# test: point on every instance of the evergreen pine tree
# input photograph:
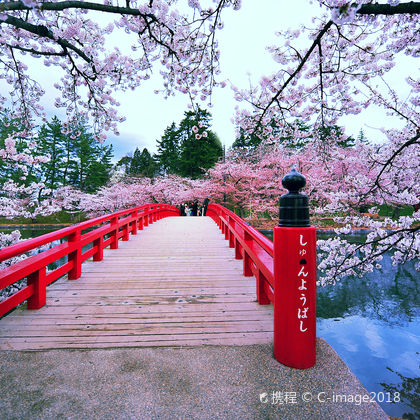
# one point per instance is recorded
(90, 164)
(148, 164)
(142, 164)
(99, 171)
(167, 156)
(199, 146)
(246, 140)
(125, 163)
(362, 137)
(135, 163)
(51, 141)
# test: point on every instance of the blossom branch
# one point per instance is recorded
(44, 32)
(342, 269)
(300, 66)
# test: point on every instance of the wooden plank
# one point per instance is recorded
(150, 308)
(138, 291)
(200, 327)
(150, 341)
(176, 283)
(146, 319)
(145, 300)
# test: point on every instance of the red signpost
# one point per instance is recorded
(294, 278)
(295, 296)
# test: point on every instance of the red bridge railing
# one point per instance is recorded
(251, 246)
(285, 273)
(34, 268)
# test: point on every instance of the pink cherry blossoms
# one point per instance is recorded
(68, 37)
(199, 131)
(340, 181)
(343, 70)
(19, 199)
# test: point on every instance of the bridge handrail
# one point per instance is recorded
(30, 244)
(262, 240)
(34, 268)
(252, 246)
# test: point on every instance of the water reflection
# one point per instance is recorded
(30, 232)
(374, 325)
(409, 389)
(374, 350)
(389, 294)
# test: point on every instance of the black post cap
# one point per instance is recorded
(294, 206)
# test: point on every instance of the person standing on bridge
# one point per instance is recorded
(194, 208)
(205, 204)
(182, 209)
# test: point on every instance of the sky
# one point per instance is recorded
(244, 57)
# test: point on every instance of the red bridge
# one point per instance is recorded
(180, 282)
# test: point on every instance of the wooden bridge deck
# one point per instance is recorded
(176, 283)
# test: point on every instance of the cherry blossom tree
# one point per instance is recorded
(132, 192)
(19, 199)
(78, 41)
(73, 36)
(342, 70)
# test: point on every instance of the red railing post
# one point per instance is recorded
(39, 298)
(294, 278)
(247, 260)
(126, 233)
(262, 297)
(227, 230)
(114, 232)
(231, 235)
(238, 253)
(141, 223)
(75, 256)
(134, 223)
(99, 244)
